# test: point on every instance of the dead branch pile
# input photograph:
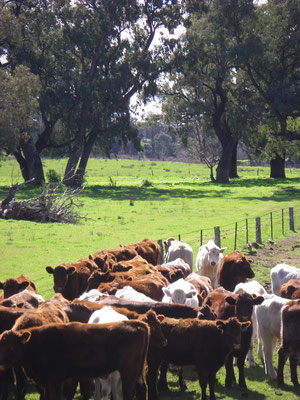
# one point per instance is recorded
(51, 205)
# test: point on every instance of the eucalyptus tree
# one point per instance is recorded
(205, 86)
(92, 56)
(268, 50)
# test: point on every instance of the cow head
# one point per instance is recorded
(11, 286)
(214, 253)
(11, 343)
(61, 274)
(167, 243)
(231, 330)
(244, 304)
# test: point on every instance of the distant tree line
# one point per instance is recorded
(69, 69)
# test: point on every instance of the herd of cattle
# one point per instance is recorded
(119, 318)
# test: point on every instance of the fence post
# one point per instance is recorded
(161, 261)
(247, 233)
(258, 230)
(201, 237)
(179, 237)
(217, 236)
(282, 218)
(291, 213)
(235, 236)
(271, 217)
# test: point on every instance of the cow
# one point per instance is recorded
(204, 344)
(71, 279)
(148, 249)
(52, 353)
(252, 287)
(290, 328)
(281, 274)
(24, 299)
(234, 268)
(111, 383)
(202, 285)
(208, 259)
(268, 316)
(177, 249)
(105, 259)
(12, 286)
(181, 292)
(291, 289)
(226, 304)
(127, 292)
(174, 270)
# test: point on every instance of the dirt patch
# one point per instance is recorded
(287, 250)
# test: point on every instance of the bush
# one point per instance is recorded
(146, 183)
(53, 176)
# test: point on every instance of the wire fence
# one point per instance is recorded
(272, 226)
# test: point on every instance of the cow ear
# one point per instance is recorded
(24, 337)
(222, 249)
(151, 316)
(166, 291)
(49, 269)
(257, 300)
(230, 300)
(220, 324)
(160, 317)
(23, 285)
(70, 270)
(191, 294)
(245, 326)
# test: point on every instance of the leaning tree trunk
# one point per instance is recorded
(233, 165)
(29, 160)
(277, 167)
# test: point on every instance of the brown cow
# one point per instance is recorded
(53, 353)
(290, 328)
(291, 289)
(202, 285)
(226, 304)
(205, 344)
(149, 250)
(234, 268)
(71, 279)
(15, 285)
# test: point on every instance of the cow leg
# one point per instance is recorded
(281, 361)
(85, 388)
(203, 379)
(163, 383)
(97, 392)
(268, 348)
(293, 369)
(229, 372)
(54, 391)
(181, 382)
(116, 386)
(69, 388)
(152, 374)
(20, 382)
(104, 389)
(241, 364)
(211, 383)
(6, 379)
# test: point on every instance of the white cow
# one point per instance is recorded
(129, 293)
(177, 249)
(92, 295)
(208, 259)
(181, 292)
(268, 315)
(251, 287)
(112, 382)
(282, 273)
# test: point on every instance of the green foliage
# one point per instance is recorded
(53, 176)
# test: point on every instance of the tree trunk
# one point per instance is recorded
(225, 161)
(29, 160)
(86, 152)
(233, 165)
(277, 167)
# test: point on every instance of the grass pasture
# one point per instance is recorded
(126, 201)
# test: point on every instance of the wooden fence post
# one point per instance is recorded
(161, 261)
(201, 237)
(179, 237)
(217, 236)
(291, 214)
(258, 230)
(271, 217)
(282, 219)
(235, 236)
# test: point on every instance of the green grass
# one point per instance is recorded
(126, 201)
